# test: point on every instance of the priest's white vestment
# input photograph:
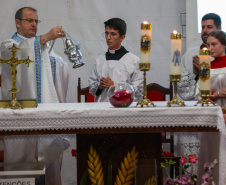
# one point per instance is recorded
(46, 79)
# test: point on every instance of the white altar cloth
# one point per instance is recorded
(103, 115)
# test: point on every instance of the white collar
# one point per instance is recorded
(113, 51)
(22, 37)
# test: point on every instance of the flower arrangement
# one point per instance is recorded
(121, 98)
(186, 177)
(207, 177)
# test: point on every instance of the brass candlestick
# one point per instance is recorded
(175, 100)
(145, 67)
(205, 95)
(13, 61)
(204, 77)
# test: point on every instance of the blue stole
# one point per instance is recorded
(53, 67)
(38, 63)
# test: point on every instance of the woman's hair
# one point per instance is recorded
(219, 35)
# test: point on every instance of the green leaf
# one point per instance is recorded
(84, 177)
(172, 162)
(110, 163)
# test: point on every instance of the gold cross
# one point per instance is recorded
(13, 61)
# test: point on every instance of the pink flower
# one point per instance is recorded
(169, 181)
(183, 160)
(184, 179)
(208, 166)
(206, 177)
(74, 152)
(192, 158)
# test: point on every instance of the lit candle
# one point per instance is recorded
(204, 69)
(145, 42)
(175, 54)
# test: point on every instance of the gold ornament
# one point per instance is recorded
(151, 181)
(204, 73)
(95, 169)
(145, 101)
(13, 61)
(126, 173)
(145, 45)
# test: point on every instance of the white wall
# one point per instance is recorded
(83, 20)
(193, 37)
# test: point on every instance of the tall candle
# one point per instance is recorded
(204, 67)
(175, 53)
(145, 42)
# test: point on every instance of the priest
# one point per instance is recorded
(46, 79)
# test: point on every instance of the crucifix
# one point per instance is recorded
(13, 61)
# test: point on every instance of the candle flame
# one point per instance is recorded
(145, 22)
(204, 48)
(174, 31)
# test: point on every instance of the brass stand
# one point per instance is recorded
(13, 61)
(175, 100)
(145, 67)
(205, 94)
(28, 103)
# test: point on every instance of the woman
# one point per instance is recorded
(210, 142)
(216, 42)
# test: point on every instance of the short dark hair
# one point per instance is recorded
(19, 13)
(216, 18)
(219, 35)
(117, 24)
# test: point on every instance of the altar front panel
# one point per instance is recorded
(112, 149)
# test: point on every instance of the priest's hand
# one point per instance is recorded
(105, 82)
(195, 64)
(102, 82)
(53, 34)
(109, 82)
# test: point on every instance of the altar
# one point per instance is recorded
(99, 118)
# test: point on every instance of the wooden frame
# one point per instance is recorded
(81, 91)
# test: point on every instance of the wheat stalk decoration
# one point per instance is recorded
(95, 169)
(126, 173)
(151, 181)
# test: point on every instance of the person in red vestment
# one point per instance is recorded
(216, 42)
(211, 142)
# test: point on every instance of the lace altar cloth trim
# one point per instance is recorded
(103, 115)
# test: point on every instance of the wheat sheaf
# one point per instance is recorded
(95, 169)
(151, 181)
(126, 173)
